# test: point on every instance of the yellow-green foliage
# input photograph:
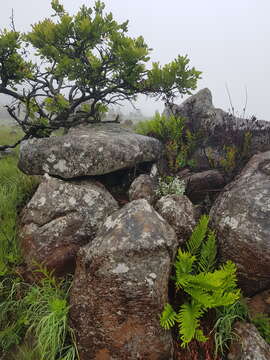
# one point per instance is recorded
(179, 141)
(204, 286)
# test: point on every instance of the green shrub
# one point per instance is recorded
(172, 131)
(204, 287)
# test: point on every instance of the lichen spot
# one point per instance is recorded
(72, 201)
(121, 269)
(61, 166)
(51, 158)
(42, 201)
(67, 145)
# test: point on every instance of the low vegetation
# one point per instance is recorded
(178, 140)
(204, 286)
(33, 317)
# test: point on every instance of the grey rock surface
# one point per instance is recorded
(61, 217)
(143, 187)
(121, 286)
(89, 150)
(219, 129)
(249, 345)
(180, 214)
(241, 217)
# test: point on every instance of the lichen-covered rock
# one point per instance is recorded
(121, 286)
(241, 216)
(143, 187)
(248, 344)
(180, 214)
(89, 150)
(60, 218)
(219, 129)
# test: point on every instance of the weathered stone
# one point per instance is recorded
(60, 218)
(248, 345)
(180, 214)
(121, 285)
(259, 304)
(241, 216)
(219, 129)
(89, 150)
(200, 184)
(143, 187)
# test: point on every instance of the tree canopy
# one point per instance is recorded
(86, 61)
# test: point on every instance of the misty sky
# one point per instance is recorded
(227, 40)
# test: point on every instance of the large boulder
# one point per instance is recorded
(241, 217)
(88, 150)
(61, 217)
(248, 344)
(219, 130)
(121, 286)
(180, 214)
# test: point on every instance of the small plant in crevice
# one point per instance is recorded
(170, 185)
(179, 141)
(226, 316)
(204, 287)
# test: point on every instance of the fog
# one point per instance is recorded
(227, 40)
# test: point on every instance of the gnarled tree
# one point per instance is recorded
(85, 58)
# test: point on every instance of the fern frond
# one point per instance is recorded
(225, 298)
(228, 274)
(199, 335)
(168, 317)
(198, 234)
(206, 281)
(200, 296)
(188, 318)
(184, 262)
(208, 253)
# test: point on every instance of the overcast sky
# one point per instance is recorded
(227, 40)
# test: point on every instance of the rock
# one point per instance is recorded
(143, 187)
(180, 214)
(259, 304)
(121, 286)
(89, 150)
(241, 217)
(61, 217)
(249, 345)
(200, 184)
(219, 129)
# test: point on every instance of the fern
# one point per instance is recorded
(206, 287)
(188, 318)
(208, 253)
(168, 317)
(197, 237)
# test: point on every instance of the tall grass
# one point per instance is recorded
(33, 317)
(15, 189)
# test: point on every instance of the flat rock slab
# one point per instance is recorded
(121, 286)
(90, 150)
(61, 217)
